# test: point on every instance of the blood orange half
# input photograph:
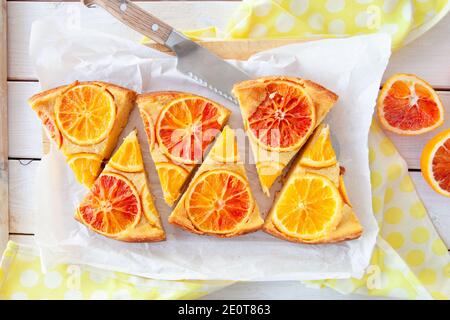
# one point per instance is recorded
(435, 163)
(112, 205)
(186, 126)
(408, 105)
(284, 119)
(219, 201)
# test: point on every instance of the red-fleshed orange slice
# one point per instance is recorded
(284, 119)
(112, 205)
(408, 105)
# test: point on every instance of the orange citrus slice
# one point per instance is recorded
(112, 206)
(149, 129)
(85, 114)
(308, 208)
(148, 206)
(284, 119)
(172, 178)
(50, 127)
(225, 149)
(219, 201)
(408, 105)
(186, 126)
(269, 171)
(86, 167)
(343, 190)
(128, 158)
(319, 152)
(435, 163)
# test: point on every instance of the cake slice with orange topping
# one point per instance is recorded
(219, 201)
(84, 119)
(119, 204)
(313, 205)
(179, 127)
(279, 114)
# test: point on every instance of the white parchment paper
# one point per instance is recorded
(350, 67)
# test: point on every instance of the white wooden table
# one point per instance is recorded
(428, 57)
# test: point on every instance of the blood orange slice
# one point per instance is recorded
(284, 119)
(219, 201)
(112, 205)
(408, 105)
(50, 127)
(186, 126)
(435, 163)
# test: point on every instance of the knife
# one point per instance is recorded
(197, 62)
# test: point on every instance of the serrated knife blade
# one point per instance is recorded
(192, 59)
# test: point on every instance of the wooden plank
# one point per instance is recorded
(27, 239)
(4, 212)
(25, 138)
(236, 49)
(426, 56)
(279, 290)
(22, 201)
(25, 129)
(179, 14)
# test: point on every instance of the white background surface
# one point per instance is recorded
(427, 57)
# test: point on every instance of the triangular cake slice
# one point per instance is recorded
(179, 127)
(219, 200)
(119, 204)
(279, 114)
(315, 192)
(84, 119)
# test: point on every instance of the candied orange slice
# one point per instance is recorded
(149, 128)
(268, 172)
(172, 178)
(219, 201)
(112, 205)
(318, 151)
(85, 114)
(284, 119)
(225, 149)
(86, 167)
(128, 158)
(186, 126)
(308, 208)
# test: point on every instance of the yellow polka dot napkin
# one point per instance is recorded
(404, 20)
(21, 278)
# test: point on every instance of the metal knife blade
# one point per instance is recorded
(192, 59)
(204, 66)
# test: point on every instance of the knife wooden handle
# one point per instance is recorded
(135, 17)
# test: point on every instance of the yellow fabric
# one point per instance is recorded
(404, 20)
(409, 260)
(21, 278)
